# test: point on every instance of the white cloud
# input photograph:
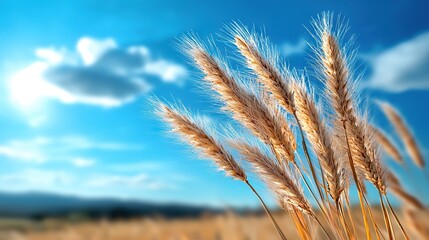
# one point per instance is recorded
(36, 178)
(28, 85)
(167, 71)
(42, 149)
(139, 50)
(79, 142)
(24, 154)
(83, 162)
(28, 151)
(92, 49)
(49, 54)
(99, 72)
(401, 67)
(148, 166)
(289, 49)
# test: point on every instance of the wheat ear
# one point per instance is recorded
(404, 133)
(372, 168)
(360, 142)
(245, 107)
(197, 137)
(265, 69)
(318, 136)
(275, 176)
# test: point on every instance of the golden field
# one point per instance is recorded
(224, 226)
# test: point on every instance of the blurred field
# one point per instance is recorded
(225, 226)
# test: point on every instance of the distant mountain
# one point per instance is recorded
(41, 205)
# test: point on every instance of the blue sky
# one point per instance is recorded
(75, 77)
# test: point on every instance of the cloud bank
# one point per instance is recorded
(402, 67)
(98, 72)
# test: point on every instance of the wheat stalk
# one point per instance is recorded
(361, 144)
(361, 152)
(406, 197)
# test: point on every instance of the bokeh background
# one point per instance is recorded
(76, 76)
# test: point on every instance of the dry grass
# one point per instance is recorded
(272, 93)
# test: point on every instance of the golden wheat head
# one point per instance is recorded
(319, 137)
(245, 107)
(264, 67)
(197, 137)
(274, 175)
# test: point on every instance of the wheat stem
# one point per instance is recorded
(300, 224)
(386, 218)
(307, 156)
(343, 221)
(349, 213)
(355, 177)
(267, 211)
(376, 228)
(322, 208)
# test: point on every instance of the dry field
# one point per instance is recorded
(228, 226)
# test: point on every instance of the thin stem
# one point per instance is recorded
(321, 226)
(307, 155)
(396, 218)
(273, 221)
(386, 218)
(376, 228)
(343, 221)
(299, 221)
(352, 167)
(322, 208)
(349, 213)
